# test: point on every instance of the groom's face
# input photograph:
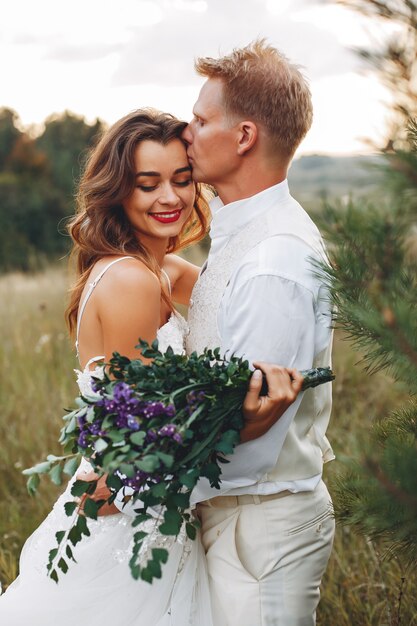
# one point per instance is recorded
(211, 137)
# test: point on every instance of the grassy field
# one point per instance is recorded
(37, 384)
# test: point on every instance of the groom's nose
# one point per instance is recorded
(187, 135)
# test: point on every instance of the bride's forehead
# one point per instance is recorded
(153, 152)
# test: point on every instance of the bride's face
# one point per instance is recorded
(163, 198)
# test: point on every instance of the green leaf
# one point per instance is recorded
(127, 469)
(80, 487)
(71, 466)
(52, 458)
(70, 554)
(114, 482)
(56, 474)
(191, 531)
(140, 518)
(74, 535)
(159, 490)
(211, 471)
(181, 500)
(154, 568)
(138, 438)
(32, 484)
(146, 575)
(161, 554)
(72, 425)
(172, 523)
(63, 566)
(149, 463)
(189, 479)
(82, 526)
(39, 468)
(60, 535)
(135, 571)
(169, 528)
(167, 459)
(70, 508)
(91, 508)
(100, 445)
(52, 554)
(53, 575)
(139, 536)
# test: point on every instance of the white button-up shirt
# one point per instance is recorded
(267, 313)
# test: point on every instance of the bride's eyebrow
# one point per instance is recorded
(178, 171)
(147, 174)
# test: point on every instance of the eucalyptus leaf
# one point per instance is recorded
(32, 484)
(71, 466)
(56, 474)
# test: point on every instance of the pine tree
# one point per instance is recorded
(373, 283)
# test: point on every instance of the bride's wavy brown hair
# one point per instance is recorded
(100, 227)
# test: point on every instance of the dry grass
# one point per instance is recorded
(37, 384)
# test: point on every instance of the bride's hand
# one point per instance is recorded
(102, 492)
(261, 412)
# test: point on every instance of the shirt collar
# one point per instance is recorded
(227, 219)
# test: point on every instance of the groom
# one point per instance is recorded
(268, 532)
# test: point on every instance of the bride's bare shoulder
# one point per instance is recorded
(127, 277)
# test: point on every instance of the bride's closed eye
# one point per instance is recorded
(183, 183)
(179, 183)
(146, 188)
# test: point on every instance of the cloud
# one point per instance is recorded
(164, 52)
(70, 53)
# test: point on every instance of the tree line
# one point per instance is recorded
(38, 176)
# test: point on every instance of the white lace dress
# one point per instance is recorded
(98, 590)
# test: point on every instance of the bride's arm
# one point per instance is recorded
(128, 308)
(183, 276)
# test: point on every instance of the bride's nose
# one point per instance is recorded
(169, 195)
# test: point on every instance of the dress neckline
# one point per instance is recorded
(174, 315)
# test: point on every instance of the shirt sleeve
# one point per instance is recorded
(267, 318)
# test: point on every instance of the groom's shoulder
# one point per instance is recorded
(283, 256)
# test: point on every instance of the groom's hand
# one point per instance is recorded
(261, 412)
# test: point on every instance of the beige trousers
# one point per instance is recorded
(266, 558)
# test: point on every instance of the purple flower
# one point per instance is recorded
(95, 387)
(110, 405)
(137, 481)
(133, 423)
(150, 410)
(151, 436)
(83, 439)
(95, 427)
(170, 431)
(194, 399)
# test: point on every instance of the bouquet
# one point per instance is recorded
(156, 428)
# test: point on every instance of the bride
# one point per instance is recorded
(137, 204)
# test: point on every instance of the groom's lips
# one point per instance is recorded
(168, 217)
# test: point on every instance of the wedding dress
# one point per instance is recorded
(98, 590)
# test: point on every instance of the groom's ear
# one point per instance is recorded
(247, 136)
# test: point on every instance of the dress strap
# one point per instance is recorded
(90, 291)
(168, 281)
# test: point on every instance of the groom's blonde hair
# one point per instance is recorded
(262, 85)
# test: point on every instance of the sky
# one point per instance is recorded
(102, 58)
